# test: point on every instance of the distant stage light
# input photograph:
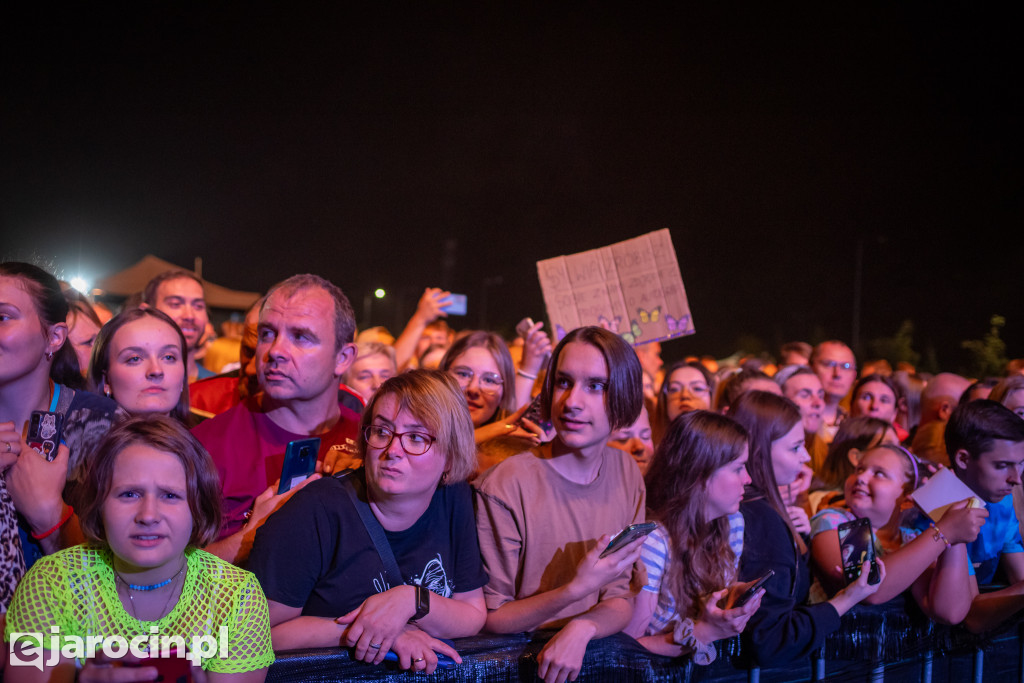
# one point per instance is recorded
(80, 284)
(379, 293)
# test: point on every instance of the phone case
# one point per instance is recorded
(628, 535)
(299, 463)
(856, 546)
(44, 432)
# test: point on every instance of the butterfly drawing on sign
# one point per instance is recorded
(679, 325)
(610, 325)
(634, 333)
(649, 316)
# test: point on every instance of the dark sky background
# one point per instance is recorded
(366, 143)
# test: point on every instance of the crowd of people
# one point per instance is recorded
(459, 482)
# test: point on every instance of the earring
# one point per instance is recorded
(49, 356)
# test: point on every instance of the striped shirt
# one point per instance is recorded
(656, 557)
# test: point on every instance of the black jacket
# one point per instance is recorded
(784, 628)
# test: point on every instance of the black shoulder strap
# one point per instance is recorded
(373, 527)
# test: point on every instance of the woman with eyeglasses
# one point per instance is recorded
(688, 386)
(322, 568)
(481, 364)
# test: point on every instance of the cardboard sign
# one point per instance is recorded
(633, 288)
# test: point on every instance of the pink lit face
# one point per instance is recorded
(725, 487)
(875, 399)
(688, 390)
(146, 371)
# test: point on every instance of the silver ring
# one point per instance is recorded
(418, 659)
(375, 646)
(8, 446)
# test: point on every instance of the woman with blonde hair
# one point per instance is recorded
(385, 557)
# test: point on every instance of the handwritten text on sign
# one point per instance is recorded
(633, 288)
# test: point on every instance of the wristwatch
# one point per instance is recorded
(422, 603)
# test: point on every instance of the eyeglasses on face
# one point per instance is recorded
(413, 443)
(489, 382)
(833, 364)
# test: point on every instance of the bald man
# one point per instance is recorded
(938, 399)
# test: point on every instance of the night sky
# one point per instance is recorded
(402, 146)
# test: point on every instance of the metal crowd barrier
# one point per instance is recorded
(875, 643)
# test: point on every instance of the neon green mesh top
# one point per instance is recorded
(74, 590)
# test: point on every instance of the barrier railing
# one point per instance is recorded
(875, 643)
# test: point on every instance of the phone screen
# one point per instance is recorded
(456, 305)
(856, 546)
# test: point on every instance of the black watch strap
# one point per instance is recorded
(422, 602)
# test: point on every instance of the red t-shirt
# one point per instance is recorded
(248, 450)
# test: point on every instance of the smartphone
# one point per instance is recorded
(299, 463)
(856, 546)
(628, 535)
(172, 668)
(44, 432)
(456, 304)
(532, 414)
(749, 593)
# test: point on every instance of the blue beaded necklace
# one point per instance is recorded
(150, 587)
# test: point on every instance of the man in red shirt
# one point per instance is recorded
(305, 332)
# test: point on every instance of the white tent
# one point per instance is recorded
(133, 279)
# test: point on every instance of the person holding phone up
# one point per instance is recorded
(694, 488)
(933, 563)
(384, 558)
(545, 516)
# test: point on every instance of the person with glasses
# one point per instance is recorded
(836, 367)
(325, 580)
(688, 386)
(482, 365)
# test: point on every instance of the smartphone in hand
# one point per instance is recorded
(856, 546)
(628, 535)
(45, 429)
(455, 304)
(299, 463)
(749, 593)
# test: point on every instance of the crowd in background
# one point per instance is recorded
(456, 482)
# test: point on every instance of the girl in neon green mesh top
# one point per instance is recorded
(150, 497)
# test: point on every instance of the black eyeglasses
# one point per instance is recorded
(413, 443)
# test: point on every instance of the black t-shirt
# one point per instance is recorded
(315, 552)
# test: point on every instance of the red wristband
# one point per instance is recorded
(63, 520)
